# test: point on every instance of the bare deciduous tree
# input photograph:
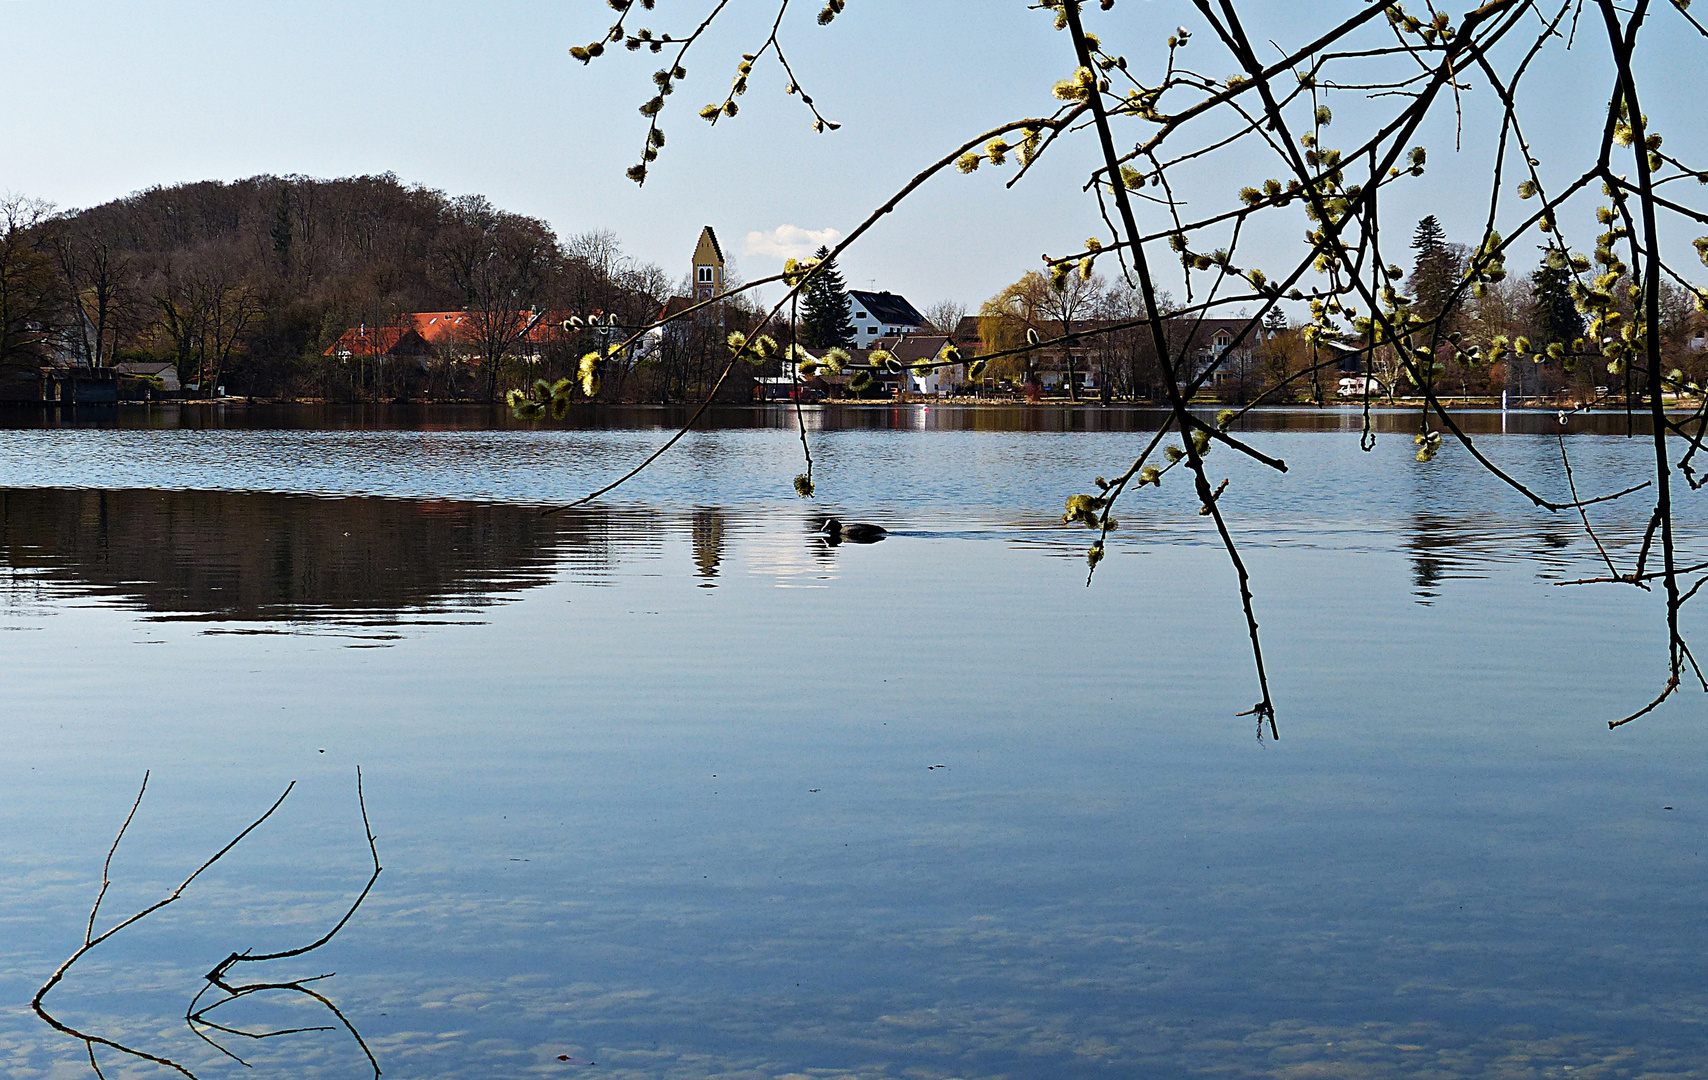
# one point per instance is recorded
(946, 315)
(30, 302)
(99, 281)
(502, 264)
(205, 305)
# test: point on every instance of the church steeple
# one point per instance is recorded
(708, 266)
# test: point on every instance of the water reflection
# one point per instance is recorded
(1433, 543)
(362, 561)
(256, 556)
(708, 545)
(898, 416)
(1446, 547)
(373, 561)
(222, 985)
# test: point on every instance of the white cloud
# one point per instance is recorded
(789, 242)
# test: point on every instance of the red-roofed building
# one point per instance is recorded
(378, 342)
(417, 334)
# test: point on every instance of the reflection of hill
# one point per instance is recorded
(269, 556)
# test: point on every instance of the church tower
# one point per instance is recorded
(708, 266)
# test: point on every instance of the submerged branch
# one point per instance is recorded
(217, 977)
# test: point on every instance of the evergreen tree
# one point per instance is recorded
(825, 321)
(1557, 317)
(1435, 272)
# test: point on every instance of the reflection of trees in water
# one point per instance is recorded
(934, 417)
(255, 555)
(1450, 546)
(1441, 547)
(708, 529)
(1427, 573)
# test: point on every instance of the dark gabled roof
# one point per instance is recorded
(910, 347)
(717, 247)
(145, 367)
(887, 307)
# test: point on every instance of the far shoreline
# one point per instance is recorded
(1401, 405)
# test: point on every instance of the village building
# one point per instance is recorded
(881, 314)
(366, 342)
(1115, 352)
(909, 349)
(709, 281)
(415, 337)
(151, 370)
(708, 266)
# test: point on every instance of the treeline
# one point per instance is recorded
(246, 284)
(1530, 334)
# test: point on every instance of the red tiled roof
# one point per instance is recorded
(369, 340)
(440, 328)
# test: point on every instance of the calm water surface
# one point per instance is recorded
(669, 785)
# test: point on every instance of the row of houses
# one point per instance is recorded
(881, 320)
(887, 321)
(1197, 345)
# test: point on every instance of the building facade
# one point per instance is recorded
(708, 266)
(881, 314)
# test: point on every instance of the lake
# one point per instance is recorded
(668, 787)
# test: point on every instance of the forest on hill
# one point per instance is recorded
(247, 284)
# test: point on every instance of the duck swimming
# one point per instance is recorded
(858, 533)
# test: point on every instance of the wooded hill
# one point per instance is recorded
(246, 284)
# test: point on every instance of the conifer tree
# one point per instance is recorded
(1429, 236)
(1435, 272)
(825, 322)
(1557, 317)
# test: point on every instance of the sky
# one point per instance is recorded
(103, 99)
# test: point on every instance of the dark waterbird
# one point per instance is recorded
(858, 533)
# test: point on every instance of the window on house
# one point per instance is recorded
(705, 275)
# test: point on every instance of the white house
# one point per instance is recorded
(881, 314)
(163, 370)
(910, 348)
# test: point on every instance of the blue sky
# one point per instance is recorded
(107, 98)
